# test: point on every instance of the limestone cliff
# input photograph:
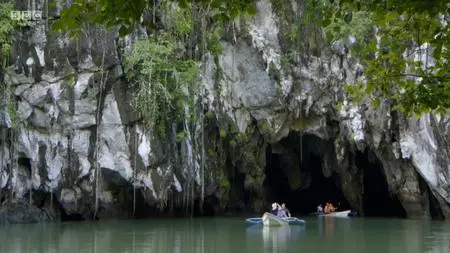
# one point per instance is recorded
(74, 133)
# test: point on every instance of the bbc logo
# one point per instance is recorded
(26, 15)
(32, 12)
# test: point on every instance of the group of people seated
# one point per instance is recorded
(329, 208)
(280, 211)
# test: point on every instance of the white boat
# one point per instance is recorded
(269, 219)
(337, 214)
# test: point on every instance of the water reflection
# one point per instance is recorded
(228, 235)
(329, 225)
(438, 238)
(273, 239)
(161, 236)
(276, 238)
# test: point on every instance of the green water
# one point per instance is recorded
(209, 235)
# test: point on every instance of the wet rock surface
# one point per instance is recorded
(21, 212)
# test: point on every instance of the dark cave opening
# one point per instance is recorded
(377, 201)
(125, 198)
(24, 162)
(48, 202)
(143, 210)
(435, 210)
(208, 206)
(70, 217)
(315, 188)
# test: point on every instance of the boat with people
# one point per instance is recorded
(280, 216)
(330, 210)
(269, 219)
(345, 213)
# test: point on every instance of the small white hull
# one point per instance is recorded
(269, 219)
(338, 214)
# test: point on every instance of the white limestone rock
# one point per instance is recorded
(114, 153)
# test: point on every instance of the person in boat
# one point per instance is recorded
(284, 211)
(278, 210)
(329, 208)
(275, 208)
(319, 209)
(332, 208)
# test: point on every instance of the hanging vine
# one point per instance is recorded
(163, 81)
(135, 170)
(8, 106)
(104, 77)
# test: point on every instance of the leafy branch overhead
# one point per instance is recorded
(405, 53)
(126, 14)
(402, 45)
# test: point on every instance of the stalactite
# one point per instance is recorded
(14, 157)
(154, 12)
(301, 134)
(13, 152)
(203, 161)
(135, 170)
(51, 198)
(30, 200)
(48, 15)
(3, 130)
(183, 201)
(97, 169)
(193, 163)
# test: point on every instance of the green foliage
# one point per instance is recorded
(214, 45)
(279, 6)
(359, 28)
(224, 187)
(7, 29)
(402, 27)
(12, 112)
(179, 21)
(126, 14)
(222, 133)
(110, 13)
(164, 82)
(209, 115)
(265, 128)
(181, 136)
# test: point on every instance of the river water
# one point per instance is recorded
(231, 235)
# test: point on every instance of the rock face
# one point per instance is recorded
(73, 131)
(22, 212)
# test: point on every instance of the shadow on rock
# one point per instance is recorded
(21, 212)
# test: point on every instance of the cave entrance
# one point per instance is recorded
(312, 187)
(377, 201)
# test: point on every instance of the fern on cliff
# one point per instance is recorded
(163, 82)
(7, 27)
